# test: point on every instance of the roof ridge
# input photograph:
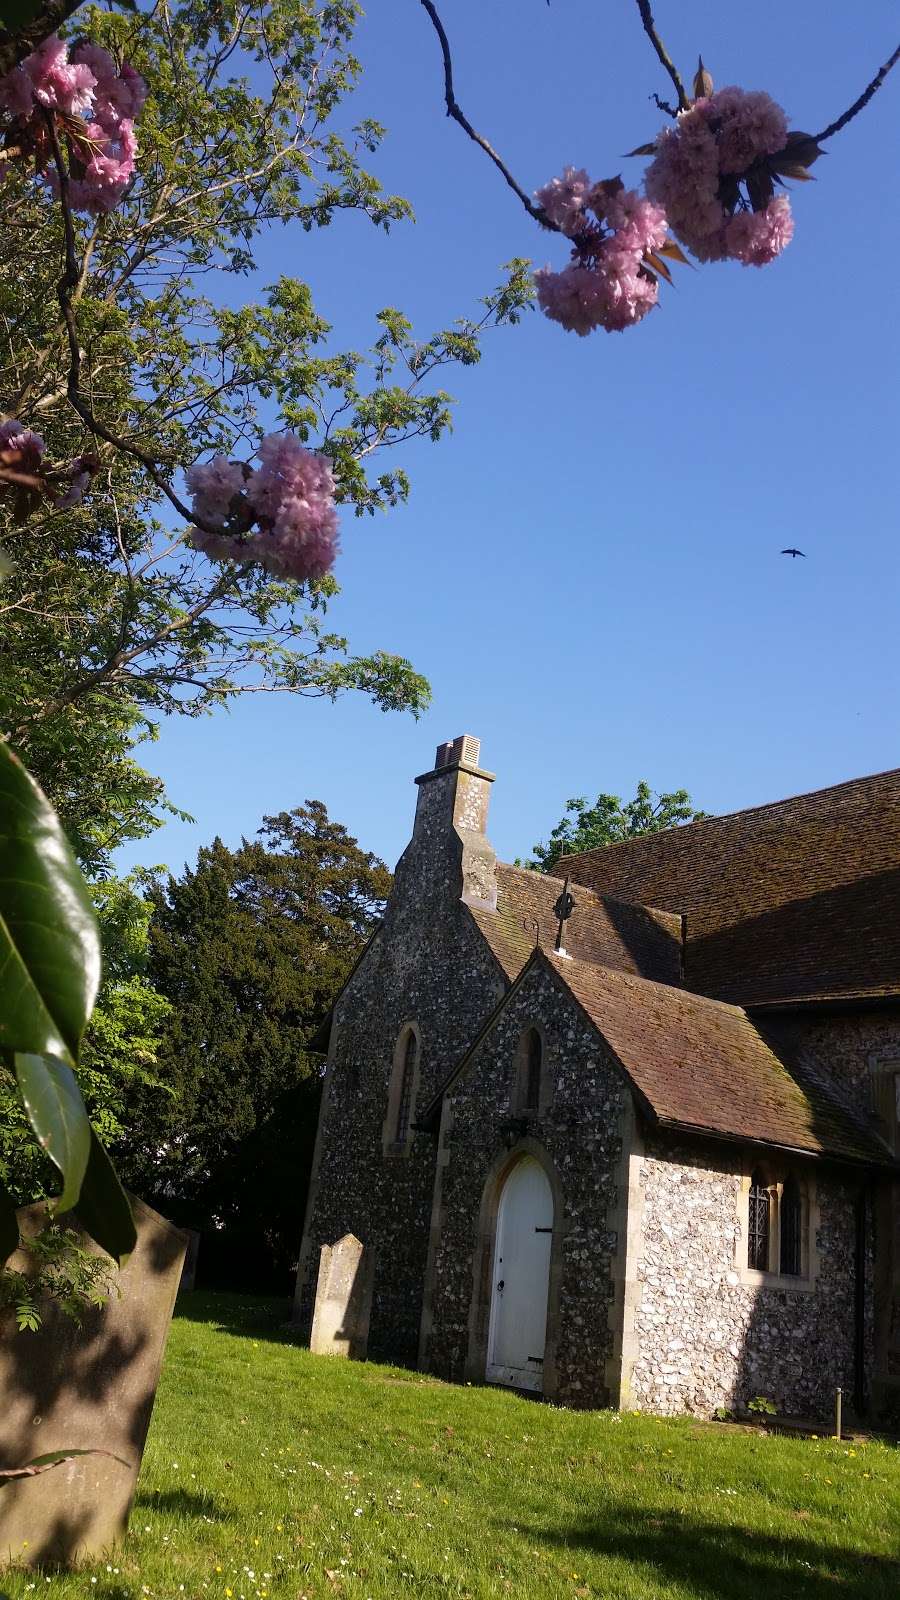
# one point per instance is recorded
(728, 816)
(599, 895)
(560, 963)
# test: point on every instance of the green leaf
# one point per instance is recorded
(642, 150)
(56, 1112)
(103, 1207)
(9, 1226)
(49, 944)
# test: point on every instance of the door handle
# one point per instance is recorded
(500, 1286)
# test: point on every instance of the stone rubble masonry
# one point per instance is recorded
(855, 1054)
(650, 1306)
(428, 964)
(703, 1337)
(577, 1135)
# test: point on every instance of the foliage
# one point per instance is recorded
(50, 957)
(118, 1052)
(110, 621)
(261, 1455)
(762, 1406)
(608, 821)
(58, 1267)
(249, 948)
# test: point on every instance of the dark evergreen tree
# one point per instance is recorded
(249, 948)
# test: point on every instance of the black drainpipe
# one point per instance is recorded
(860, 1397)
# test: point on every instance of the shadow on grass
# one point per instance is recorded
(183, 1503)
(717, 1562)
(242, 1315)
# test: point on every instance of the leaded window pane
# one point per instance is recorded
(404, 1104)
(758, 1225)
(791, 1216)
(533, 1071)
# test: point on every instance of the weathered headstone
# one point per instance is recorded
(343, 1299)
(80, 1388)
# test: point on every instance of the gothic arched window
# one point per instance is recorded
(531, 1084)
(791, 1229)
(758, 1223)
(407, 1084)
(402, 1092)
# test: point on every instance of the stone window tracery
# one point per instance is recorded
(777, 1223)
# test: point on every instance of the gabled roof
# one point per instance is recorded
(795, 901)
(601, 928)
(698, 1065)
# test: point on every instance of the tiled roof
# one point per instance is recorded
(701, 1064)
(632, 938)
(799, 900)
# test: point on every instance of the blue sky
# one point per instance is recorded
(588, 569)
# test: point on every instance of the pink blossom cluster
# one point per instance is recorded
(23, 458)
(21, 448)
(95, 104)
(280, 514)
(613, 229)
(700, 165)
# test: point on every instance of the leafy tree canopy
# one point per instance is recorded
(249, 948)
(586, 826)
(110, 620)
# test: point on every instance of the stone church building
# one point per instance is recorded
(643, 1155)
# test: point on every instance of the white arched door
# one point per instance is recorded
(521, 1280)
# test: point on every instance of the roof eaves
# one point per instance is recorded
(876, 1159)
(318, 1042)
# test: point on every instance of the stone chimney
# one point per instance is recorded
(452, 811)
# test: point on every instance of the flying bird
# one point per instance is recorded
(794, 553)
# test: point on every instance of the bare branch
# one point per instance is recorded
(650, 30)
(865, 97)
(455, 111)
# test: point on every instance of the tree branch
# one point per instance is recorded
(66, 288)
(663, 54)
(455, 111)
(865, 97)
(14, 47)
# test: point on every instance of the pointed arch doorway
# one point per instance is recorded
(521, 1278)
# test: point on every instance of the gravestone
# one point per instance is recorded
(88, 1387)
(343, 1299)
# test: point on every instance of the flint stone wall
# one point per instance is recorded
(855, 1055)
(579, 1130)
(427, 965)
(702, 1337)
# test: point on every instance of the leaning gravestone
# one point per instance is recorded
(91, 1387)
(343, 1300)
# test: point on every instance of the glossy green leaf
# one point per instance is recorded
(104, 1210)
(9, 1226)
(57, 1114)
(49, 944)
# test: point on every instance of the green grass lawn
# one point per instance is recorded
(270, 1472)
